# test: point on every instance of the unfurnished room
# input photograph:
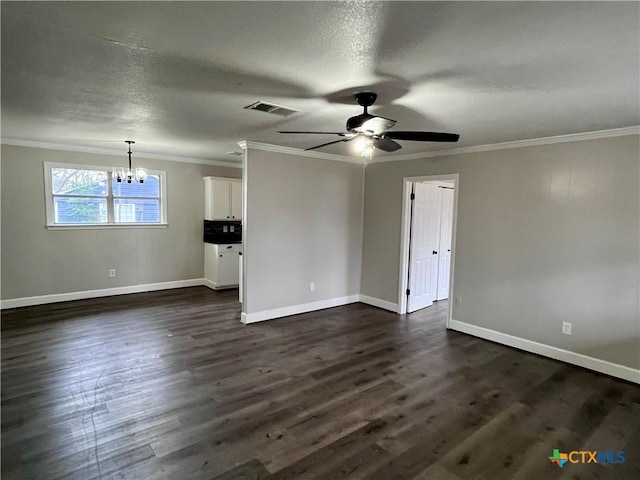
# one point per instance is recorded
(320, 240)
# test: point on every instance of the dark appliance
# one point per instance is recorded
(223, 231)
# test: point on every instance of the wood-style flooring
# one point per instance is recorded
(170, 385)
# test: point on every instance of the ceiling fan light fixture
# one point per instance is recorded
(368, 151)
(375, 125)
(375, 130)
(360, 143)
(364, 146)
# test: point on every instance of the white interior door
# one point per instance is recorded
(444, 250)
(425, 232)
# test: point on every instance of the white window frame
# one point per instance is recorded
(49, 207)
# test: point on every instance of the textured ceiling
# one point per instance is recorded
(174, 76)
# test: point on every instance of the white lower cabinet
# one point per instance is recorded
(221, 264)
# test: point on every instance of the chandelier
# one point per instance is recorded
(123, 175)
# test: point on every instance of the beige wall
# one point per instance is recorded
(303, 224)
(545, 234)
(37, 261)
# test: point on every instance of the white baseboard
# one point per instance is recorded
(104, 292)
(376, 302)
(214, 286)
(208, 283)
(263, 315)
(602, 366)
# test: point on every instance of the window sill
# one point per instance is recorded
(103, 226)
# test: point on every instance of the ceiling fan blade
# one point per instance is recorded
(422, 136)
(386, 144)
(329, 143)
(342, 134)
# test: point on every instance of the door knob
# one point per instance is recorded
(435, 253)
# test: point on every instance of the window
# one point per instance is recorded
(79, 195)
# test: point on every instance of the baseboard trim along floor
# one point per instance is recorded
(376, 302)
(263, 315)
(573, 358)
(103, 292)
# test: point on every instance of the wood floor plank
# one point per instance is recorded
(322, 459)
(171, 386)
(358, 465)
(252, 470)
(494, 450)
(437, 472)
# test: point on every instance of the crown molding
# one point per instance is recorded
(266, 147)
(572, 137)
(112, 151)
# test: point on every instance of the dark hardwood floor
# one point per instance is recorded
(170, 385)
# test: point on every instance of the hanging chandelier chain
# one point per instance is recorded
(129, 142)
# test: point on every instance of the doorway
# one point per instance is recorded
(427, 241)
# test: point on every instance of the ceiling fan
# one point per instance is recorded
(373, 131)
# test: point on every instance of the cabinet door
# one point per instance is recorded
(228, 272)
(221, 194)
(208, 198)
(211, 261)
(236, 199)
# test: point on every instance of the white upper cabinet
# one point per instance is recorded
(236, 199)
(223, 198)
(220, 199)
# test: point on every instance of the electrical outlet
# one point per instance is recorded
(566, 328)
(112, 272)
(458, 300)
(312, 287)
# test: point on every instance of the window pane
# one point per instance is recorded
(69, 210)
(150, 188)
(129, 210)
(70, 181)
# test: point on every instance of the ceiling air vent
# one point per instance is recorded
(272, 108)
